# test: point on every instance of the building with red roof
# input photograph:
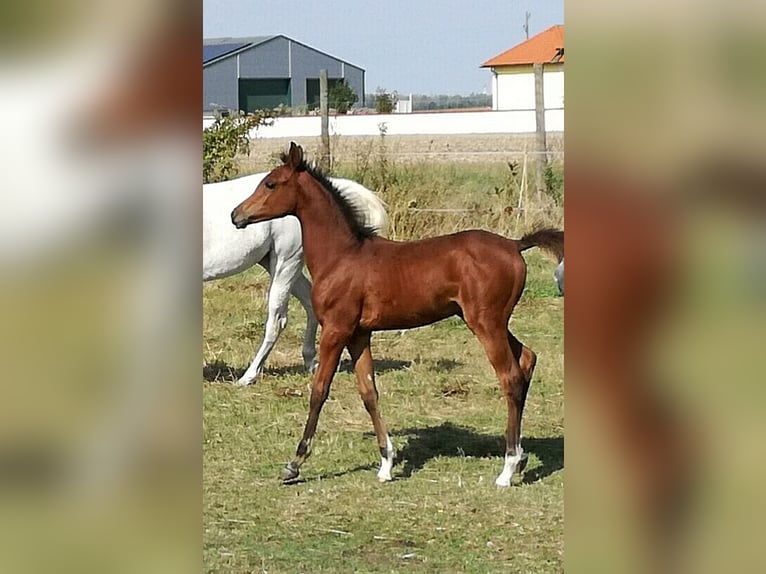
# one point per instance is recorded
(513, 80)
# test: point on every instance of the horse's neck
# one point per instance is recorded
(326, 233)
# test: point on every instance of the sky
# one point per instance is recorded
(408, 46)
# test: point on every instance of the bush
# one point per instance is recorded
(225, 139)
(341, 97)
(385, 102)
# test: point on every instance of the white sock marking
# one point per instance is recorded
(511, 463)
(386, 464)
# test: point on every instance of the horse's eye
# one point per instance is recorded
(271, 184)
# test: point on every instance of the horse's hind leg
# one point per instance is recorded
(527, 360)
(524, 355)
(302, 291)
(361, 357)
(282, 278)
(513, 364)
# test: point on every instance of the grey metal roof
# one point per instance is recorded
(214, 48)
(213, 51)
(210, 45)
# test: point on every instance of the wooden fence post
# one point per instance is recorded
(541, 149)
(324, 110)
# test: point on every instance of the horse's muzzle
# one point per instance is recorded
(239, 222)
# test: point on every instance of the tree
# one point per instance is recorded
(341, 96)
(385, 102)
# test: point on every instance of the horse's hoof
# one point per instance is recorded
(312, 367)
(290, 473)
(384, 478)
(244, 382)
(505, 478)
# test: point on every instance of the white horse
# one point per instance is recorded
(276, 246)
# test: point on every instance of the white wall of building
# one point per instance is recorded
(553, 89)
(513, 88)
(515, 91)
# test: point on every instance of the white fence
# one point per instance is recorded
(443, 123)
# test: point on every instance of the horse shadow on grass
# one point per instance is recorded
(380, 366)
(448, 439)
(221, 372)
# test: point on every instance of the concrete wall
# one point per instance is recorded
(486, 122)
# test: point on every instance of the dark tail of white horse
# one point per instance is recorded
(550, 240)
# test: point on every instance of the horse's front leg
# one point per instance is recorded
(331, 344)
(283, 274)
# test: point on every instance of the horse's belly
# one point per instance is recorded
(386, 315)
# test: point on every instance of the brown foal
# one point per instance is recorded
(365, 283)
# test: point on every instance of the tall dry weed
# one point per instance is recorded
(430, 194)
(427, 197)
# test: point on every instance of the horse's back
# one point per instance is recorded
(479, 245)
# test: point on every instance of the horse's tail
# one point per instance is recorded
(549, 239)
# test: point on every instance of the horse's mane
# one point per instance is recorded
(353, 215)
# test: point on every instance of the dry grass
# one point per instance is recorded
(440, 184)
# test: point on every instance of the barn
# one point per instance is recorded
(513, 80)
(263, 72)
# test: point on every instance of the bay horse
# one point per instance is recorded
(364, 283)
(276, 246)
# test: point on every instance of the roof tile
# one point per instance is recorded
(545, 47)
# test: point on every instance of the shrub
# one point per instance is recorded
(385, 102)
(341, 97)
(554, 182)
(225, 139)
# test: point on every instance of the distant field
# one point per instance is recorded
(461, 148)
(439, 397)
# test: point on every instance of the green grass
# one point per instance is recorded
(442, 404)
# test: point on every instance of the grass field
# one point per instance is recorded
(441, 401)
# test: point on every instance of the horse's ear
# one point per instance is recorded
(295, 156)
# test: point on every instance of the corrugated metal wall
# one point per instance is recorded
(219, 85)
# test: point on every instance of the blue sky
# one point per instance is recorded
(419, 46)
